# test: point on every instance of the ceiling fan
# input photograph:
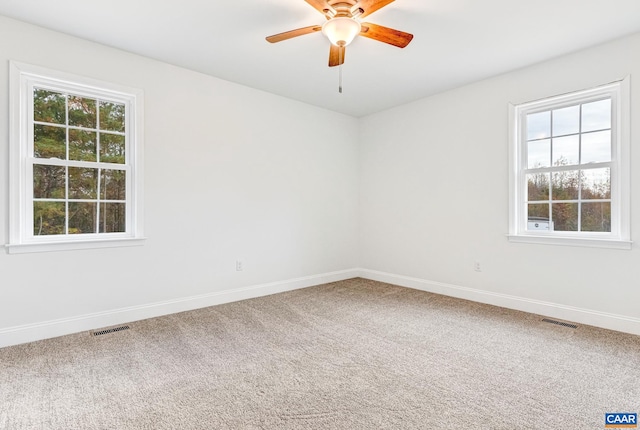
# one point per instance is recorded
(343, 25)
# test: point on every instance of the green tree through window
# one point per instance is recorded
(79, 174)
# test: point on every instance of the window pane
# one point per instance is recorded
(596, 184)
(539, 125)
(49, 142)
(564, 216)
(113, 184)
(48, 218)
(112, 116)
(538, 216)
(566, 121)
(565, 185)
(538, 187)
(596, 216)
(82, 145)
(539, 154)
(82, 112)
(48, 182)
(49, 106)
(83, 183)
(112, 149)
(566, 150)
(112, 217)
(82, 217)
(596, 115)
(596, 147)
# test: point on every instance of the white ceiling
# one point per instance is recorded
(455, 41)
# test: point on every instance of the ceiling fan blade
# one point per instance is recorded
(319, 5)
(384, 34)
(293, 33)
(336, 55)
(370, 6)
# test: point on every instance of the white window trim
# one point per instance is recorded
(621, 158)
(22, 78)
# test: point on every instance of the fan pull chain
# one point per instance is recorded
(340, 70)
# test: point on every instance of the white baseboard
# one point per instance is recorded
(569, 313)
(48, 329)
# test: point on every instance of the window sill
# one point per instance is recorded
(70, 246)
(571, 241)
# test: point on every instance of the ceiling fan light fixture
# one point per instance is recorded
(341, 31)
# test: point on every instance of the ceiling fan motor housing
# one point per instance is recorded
(343, 8)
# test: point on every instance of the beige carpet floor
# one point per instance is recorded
(356, 354)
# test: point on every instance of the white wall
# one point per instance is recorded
(434, 198)
(230, 172)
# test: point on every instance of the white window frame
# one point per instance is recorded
(620, 235)
(23, 79)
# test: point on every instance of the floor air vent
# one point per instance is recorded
(110, 330)
(563, 324)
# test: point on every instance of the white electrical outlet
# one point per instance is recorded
(239, 266)
(476, 266)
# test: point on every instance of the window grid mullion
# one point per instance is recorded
(522, 171)
(66, 167)
(98, 200)
(538, 139)
(98, 158)
(590, 166)
(79, 164)
(75, 127)
(551, 151)
(580, 169)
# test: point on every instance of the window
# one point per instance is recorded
(569, 160)
(76, 157)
